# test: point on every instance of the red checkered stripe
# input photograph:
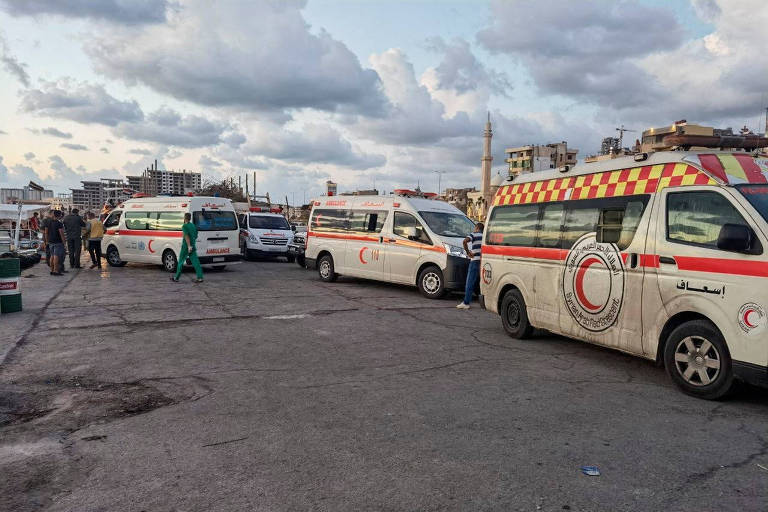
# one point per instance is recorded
(624, 182)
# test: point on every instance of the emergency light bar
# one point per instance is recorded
(259, 209)
(404, 192)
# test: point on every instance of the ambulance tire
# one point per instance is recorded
(325, 269)
(301, 261)
(514, 315)
(113, 257)
(170, 262)
(696, 352)
(431, 283)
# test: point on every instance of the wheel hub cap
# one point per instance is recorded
(697, 360)
(431, 282)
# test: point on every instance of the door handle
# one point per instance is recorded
(633, 260)
(669, 260)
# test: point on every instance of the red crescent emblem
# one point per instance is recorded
(579, 284)
(362, 260)
(149, 246)
(746, 318)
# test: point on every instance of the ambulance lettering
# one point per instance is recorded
(374, 255)
(221, 250)
(593, 283)
(487, 273)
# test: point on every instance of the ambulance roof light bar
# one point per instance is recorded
(404, 192)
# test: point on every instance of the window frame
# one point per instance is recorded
(428, 241)
(118, 214)
(758, 250)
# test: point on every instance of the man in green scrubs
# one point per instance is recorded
(189, 232)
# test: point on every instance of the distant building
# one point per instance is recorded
(26, 193)
(653, 138)
(331, 188)
(158, 181)
(476, 204)
(457, 197)
(95, 194)
(534, 158)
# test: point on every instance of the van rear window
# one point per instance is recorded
(209, 220)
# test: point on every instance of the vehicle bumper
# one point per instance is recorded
(268, 250)
(751, 373)
(310, 263)
(456, 272)
(296, 250)
(224, 259)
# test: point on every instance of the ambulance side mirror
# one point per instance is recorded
(735, 238)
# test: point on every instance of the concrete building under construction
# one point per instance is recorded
(533, 158)
(158, 181)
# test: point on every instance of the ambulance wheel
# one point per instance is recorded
(301, 261)
(514, 315)
(431, 283)
(245, 252)
(169, 261)
(698, 361)
(326, 270)
(113, 257)
(291, 258)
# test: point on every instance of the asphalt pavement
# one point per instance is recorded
(265, 389)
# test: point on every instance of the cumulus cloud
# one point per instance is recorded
(74, 147)
(55, 132)
(166, 126)
(104, 150)
(139, 151)
(207, 161)
(3, 133)
(313, 143)
(234, 139)
(29, 156)
(587, 50)
(63, 176)
(208, 55)
(461, 70)
(80, 102)
(129, 12)
(12, 64)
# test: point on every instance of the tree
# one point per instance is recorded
(224, 188)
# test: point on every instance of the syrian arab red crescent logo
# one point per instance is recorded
(752, 318)
(361, 256)
(593, 283)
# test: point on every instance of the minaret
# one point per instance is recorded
(486, 167)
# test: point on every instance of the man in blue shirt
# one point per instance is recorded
(472, 246)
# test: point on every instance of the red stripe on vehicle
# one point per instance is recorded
(340, 236)
(150, 232)
(723, 266)
(714, 166)
(751, 169)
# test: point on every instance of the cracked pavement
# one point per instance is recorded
(266, 389)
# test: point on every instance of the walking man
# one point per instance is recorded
(472, 245)
(54, 242)
(95, 234)
(43, 226)
(73, 224)
(188, 248)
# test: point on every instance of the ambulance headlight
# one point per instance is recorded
(253, 238)
(454, 250)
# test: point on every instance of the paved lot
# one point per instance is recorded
(265, 389)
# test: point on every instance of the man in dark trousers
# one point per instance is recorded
(54, 239)
(73, 225)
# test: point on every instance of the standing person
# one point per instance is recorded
(54, 239)
(34, 222)
(85, 233)
(43, 226)
(95, 234)
(189, 231)
(73, 224)
(473, 246)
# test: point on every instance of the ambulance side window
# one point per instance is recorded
(169, 221)
(242, 221)
(113, 220)
(367, 221)
(579, 220)
(331, 221)
(550, 225)
(403, 221)
(696, 218)
(513, 225)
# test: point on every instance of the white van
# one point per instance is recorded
(401, 239)
(662, 256)
(148, 230)
(265, 233)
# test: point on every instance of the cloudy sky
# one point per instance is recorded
(361, 92)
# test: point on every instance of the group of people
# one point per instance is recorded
(68, 234)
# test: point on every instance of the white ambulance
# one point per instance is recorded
(148, 230)
(662, 256)
(407, 238)
(265, 232)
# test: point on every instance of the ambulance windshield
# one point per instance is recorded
(454, 225)
(269, 222)
(757, 195)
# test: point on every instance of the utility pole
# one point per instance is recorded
(439, 179)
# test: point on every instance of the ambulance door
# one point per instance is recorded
(403, 247)
(710, 260)
(365, 248)
(136, 226)
(548, 270)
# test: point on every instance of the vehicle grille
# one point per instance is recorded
(274, 241)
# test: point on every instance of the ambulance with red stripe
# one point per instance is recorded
(664, 256)
(408, 238)
(148, 230)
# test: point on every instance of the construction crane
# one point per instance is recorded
(621, 135)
